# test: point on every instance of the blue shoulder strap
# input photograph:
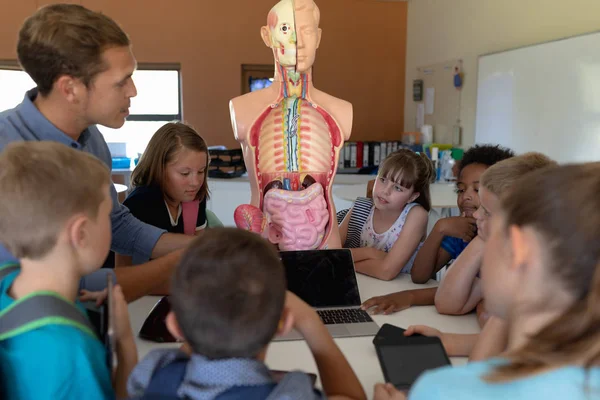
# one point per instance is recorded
(39, 309)
(7, 269)
(166, 381)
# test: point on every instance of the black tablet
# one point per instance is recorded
(404, 358)
(388, 332)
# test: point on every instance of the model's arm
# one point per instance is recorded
(238, 132)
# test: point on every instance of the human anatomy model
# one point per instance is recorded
(291, 135)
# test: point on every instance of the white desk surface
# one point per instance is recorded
(442, 194)
(360, 352)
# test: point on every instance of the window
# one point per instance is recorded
(13, 85)
(256, 77)
(158, 101)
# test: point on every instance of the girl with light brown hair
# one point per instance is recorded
(170, 182)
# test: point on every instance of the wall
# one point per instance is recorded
(361, 58)
(440, 30)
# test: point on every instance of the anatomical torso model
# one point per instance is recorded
(291, 135)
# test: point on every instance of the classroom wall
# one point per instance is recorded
(361, 58)
(441, 30)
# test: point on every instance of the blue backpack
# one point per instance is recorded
(39, 309)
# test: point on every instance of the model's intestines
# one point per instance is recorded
(297, 218)
(295, 212)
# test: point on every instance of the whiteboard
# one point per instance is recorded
(543, 98)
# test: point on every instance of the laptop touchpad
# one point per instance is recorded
(338, 330)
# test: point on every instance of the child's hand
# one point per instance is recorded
(123, 330)
(431, 332)
(464, 228)
(387, 391)
(300, 311)
(423, 330)
(388, 304)
(97, 297)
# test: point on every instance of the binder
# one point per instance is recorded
(360, 154)
(347, 155)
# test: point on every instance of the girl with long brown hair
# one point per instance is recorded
(170, 182)
(394, 221)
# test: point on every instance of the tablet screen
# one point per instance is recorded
(405, 363)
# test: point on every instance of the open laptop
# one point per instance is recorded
(326, 280)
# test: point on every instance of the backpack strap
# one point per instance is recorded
(40, 309)
(360, 213)
(7, 269)
(166, 381)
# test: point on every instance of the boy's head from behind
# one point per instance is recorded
(474, 163)
(228, 294)
(52, 196)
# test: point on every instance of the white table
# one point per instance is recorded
(442, 194)
(295, 355)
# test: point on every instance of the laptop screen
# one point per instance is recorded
(322, 278)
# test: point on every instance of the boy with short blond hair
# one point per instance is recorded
(55, 217)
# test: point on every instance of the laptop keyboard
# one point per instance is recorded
(344, 316)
